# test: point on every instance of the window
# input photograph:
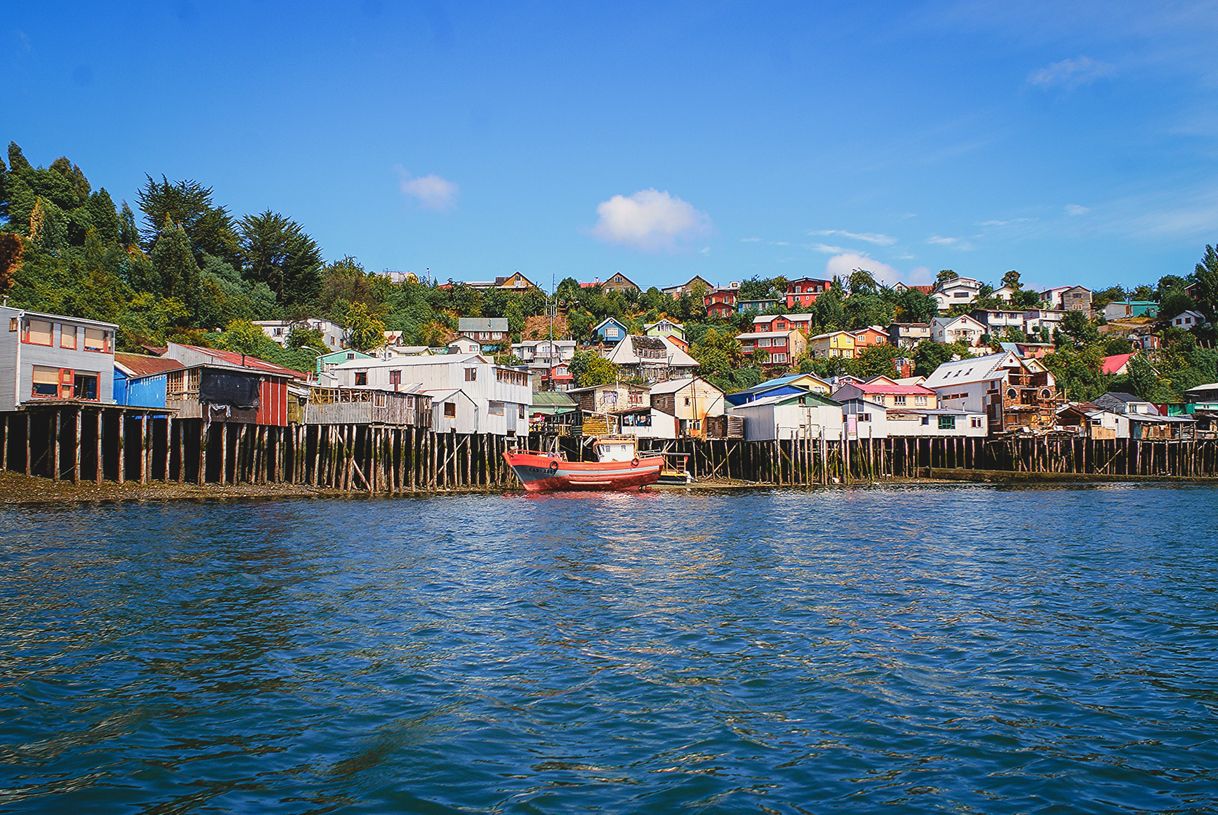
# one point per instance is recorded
(12, 323)
(686, 401)
(925, 420)
(920, 401)
(85, 387)
(96, 340)
(976, 420)
(39, 332)
(900, 399)
(450, 410)
(471, 374)
(864, 417)
(395, 377)
(947, 422)
(361, 377)
(496, 408)
(45, 382)
(350, 355)
(67, 336)
(521, 411)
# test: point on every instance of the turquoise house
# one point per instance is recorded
(327, 361)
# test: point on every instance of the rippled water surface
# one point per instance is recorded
(923, 649)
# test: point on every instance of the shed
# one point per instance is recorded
(222, 393)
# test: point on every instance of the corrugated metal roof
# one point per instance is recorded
(482, 324)
(137, 365)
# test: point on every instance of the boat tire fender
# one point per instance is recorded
(634, 462)
(554, 466)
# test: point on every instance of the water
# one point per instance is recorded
(898, 650)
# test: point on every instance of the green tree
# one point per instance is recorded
(829, 311)
(1077, 330)
(176, 270)
(208, 227)
(277, 252)
(1011, 279)
(365, 331)
(1205, 276)
(945, 275)
(589, 368)
(244, 337)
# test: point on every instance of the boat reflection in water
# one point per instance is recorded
(619, 466)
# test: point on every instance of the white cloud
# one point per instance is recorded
(1001, 222)
(750, 240)
(842, 265)
(1070, 73)
(866, 237)
(829, 249)
(649, 220)
(1076, 209)
(428, 191)
(942, 240)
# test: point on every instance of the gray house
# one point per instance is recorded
(486, 330)
(48, 356)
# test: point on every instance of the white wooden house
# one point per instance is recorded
(963, 329)
(500, 396)
(791, 416)
(332, 334)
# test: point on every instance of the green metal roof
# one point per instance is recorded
(552, 403)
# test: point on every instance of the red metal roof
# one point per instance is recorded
(143, 365)
(1114, 363)
(247, 361)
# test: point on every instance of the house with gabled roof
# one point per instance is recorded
(610, 331)
(801, 415)
(1015, 394)
(619, 282)
(652, 359)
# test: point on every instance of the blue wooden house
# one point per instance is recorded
(610, 331)
(139, 380)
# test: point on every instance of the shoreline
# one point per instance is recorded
(21, 490)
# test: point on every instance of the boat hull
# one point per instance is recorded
(542, 473)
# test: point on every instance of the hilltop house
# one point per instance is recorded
(695, 282)
(780, 347)
(610, 331)
(720, 303)
(757, 306)
(332, 335)
(50, 356)
(491, 332)
(1188, 320)
(869, 337)
(1067, 298)
(326, 362)
(619, 282)
(832, 345)
(665, 327)
(1123, 310)
(783, 322)
(959, 291)
(652, 359)
(962, 328)
(802, 293)
(908, 335)
(999, 320)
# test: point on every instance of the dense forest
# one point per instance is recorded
(180, 266)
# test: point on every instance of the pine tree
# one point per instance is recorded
(277, 252)
(176, 269)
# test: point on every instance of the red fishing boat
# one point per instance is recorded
(618, 467)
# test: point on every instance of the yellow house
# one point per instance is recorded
(809, 382)
(515, 281)
(833, 344)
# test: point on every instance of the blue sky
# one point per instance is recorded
(1077, 143)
